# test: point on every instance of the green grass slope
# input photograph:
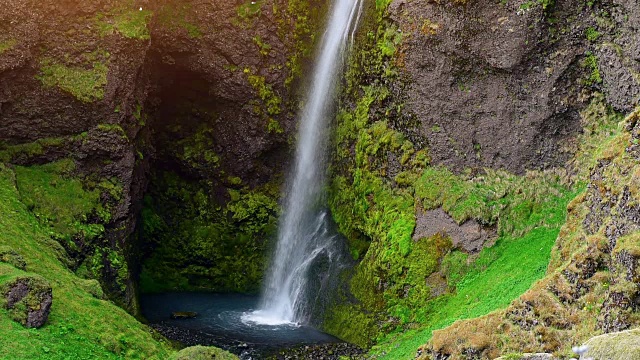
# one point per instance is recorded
(80, 326)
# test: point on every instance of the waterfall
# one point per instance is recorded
(303, 234)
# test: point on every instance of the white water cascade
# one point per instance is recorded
(303, 234)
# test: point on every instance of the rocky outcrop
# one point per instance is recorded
(615, 346)
(492, 84)
(28, 300)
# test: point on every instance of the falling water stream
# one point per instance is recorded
(303, 233)
(308, 251)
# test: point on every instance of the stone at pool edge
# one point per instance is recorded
(181, 315)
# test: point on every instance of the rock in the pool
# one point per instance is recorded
(184, 314)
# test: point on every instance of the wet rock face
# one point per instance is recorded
(28, 299)
(489, 84)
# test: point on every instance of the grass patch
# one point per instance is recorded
(499, 275)
(28, 150)
(86, 85)
(130, 23)
(249, 10)
(175, 16)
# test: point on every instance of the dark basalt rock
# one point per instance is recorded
(184, 314)
(28, 299)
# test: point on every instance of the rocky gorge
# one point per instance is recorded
(485, 171)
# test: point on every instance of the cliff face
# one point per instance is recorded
(487, 118)
(498, 84)
(202, 90)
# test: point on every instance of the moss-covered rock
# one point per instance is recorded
(203, 353)
(91, 286)
(196, 240)
(615, 346)
(11, 257)
(28, 299)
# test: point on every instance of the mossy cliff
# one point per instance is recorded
(406, 200)
(479, 174)
(92, 97)
(82, 323)
(591, 283)
(101, 91)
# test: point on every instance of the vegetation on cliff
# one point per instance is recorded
(199, 243)
(405, 287)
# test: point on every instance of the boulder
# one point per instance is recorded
(621, 345)
(28, 299)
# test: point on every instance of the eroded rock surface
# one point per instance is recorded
(489, 83)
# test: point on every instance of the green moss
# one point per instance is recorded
(600, 127)
(175, 16)
(270, 99)
(196, 150)
(264, 47)
(91, 286)
(353, 324)
(29, 150)
(249, 10)
(615, 346)
(189, 230)
(60, 201)
(629, 244)
(11, 257)
(389, 41)
(79, 326)
(590, 62)
(115, 128)
(592, 34)
(299, 21)
(6, 45)
(86, 85)
(130, 23)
